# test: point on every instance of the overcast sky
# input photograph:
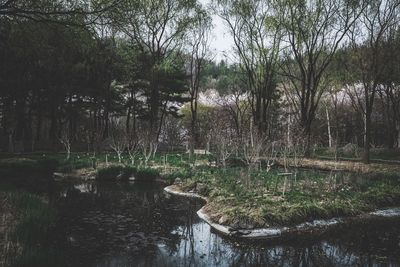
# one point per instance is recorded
(221, 42)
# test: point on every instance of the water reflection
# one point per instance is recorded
(140, 225)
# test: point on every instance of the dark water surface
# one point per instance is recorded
(141, 225)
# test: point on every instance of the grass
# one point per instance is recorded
(35, 218)
(256, 198)
(31, 227)
(259, 198)
(353, 152)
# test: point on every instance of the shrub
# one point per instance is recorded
(236, 162)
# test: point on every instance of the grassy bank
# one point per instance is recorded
(27, 225)
(247, 199)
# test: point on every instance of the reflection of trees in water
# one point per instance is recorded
(284, 256)
(149, 228)
(188, 235)
(359, 246)
(112, 217)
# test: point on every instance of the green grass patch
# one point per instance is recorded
(35, 218)
(31, 229)
(260, 198)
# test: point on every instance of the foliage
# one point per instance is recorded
(35, 219)
(29, 238)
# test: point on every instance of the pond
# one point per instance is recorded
(134, 224)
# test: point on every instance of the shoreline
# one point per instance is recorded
(314, 227)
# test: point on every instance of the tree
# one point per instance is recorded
(157, 28)
(66, 140)
(198, 39)
(58, 12)
(367, 37)
(314, 30)
(390, 90)
(118, 139)
(223, 138)
(256, 33)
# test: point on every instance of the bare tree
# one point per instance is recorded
(256, 34)
(337, 98)
(223, 138)
(199, 42)
(367, 36)
(313, 32)
(133, 146)
(239, 110)
(56, 11)
(118, 139)
(253, 145)
(148, 145)
(65, 139)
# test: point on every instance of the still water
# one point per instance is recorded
(105, 224)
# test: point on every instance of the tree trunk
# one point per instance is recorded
(10, 143)
(289, 125)
(193, 132)
(329, 127)
(398, 133)
(367, 137)
(307, 135)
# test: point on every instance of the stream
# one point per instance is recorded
(138, 224)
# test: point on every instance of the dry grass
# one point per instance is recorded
(347, 166)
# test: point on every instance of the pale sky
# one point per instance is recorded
(221, 41)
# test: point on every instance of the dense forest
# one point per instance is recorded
(127, 75)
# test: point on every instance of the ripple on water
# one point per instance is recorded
(134, 224)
